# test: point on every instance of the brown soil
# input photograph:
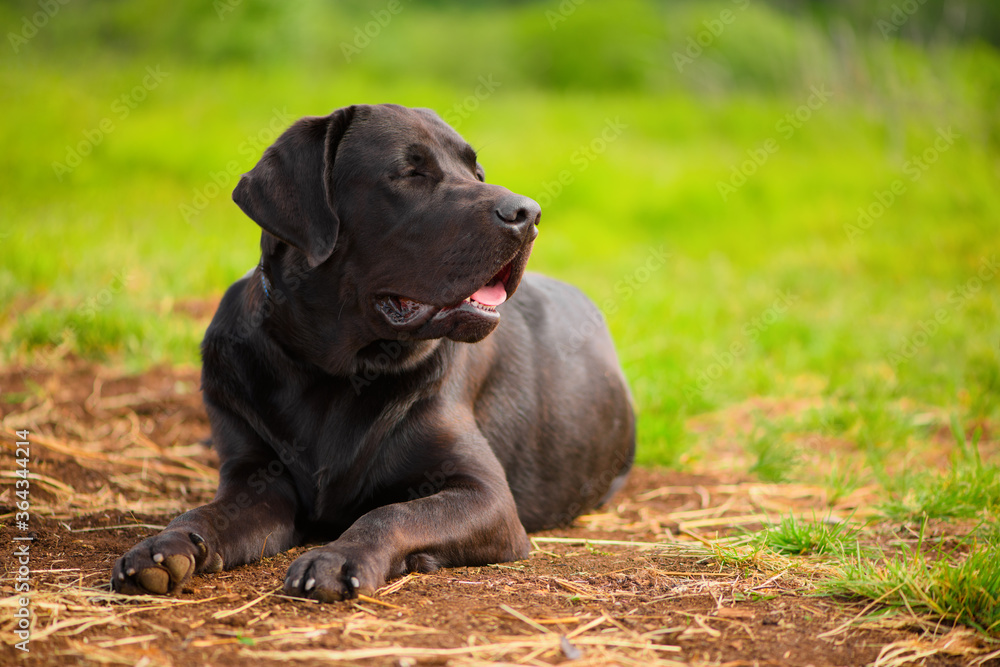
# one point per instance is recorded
(111, 457)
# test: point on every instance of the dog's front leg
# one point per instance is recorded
(244, 522)
(471, 521)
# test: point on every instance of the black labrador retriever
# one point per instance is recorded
(344, 405)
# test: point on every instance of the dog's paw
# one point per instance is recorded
(333, 573)
(161, 564)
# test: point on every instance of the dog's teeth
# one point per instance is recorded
(355, 583)
(310, 583)
(121, 576)
(296, 582)
(157, 558)
(130, 571)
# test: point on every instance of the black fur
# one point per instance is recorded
(345, 403)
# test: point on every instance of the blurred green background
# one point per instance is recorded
(821, 179)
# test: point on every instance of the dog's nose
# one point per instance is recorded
(518, 211)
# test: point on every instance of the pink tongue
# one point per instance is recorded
(492, 295)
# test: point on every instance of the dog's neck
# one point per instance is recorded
(292, 313)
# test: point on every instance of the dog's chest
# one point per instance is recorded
(347, 451)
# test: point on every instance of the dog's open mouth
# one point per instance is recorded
(467, 317)
(403, 312)
(492, 294)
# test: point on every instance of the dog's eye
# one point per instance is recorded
(417, 165)
(480, 174)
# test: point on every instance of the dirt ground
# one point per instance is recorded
(113, 457)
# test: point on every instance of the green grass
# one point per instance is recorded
(775, 459)
(793, 536)
(969, 489)
(963, 588)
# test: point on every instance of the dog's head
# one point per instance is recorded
(385, 209)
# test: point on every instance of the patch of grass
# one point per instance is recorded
(796, 537)
(776, 459)
(753, 596)
(960, 588)
(840, 480)
(146, 337)
(971, 488)
(89, 333)
(15, 397)
(740, 555)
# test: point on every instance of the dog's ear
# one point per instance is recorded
(288, 192)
